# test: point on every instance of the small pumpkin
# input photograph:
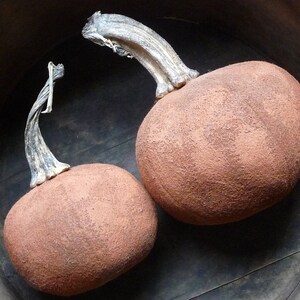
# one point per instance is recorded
(80, 229)
(215, 148)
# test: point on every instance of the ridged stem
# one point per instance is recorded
(130, 38)
(43, 165)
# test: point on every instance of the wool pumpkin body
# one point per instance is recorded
(81, 229)
(225, 146)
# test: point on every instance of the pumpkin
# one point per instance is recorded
(82, 228)
(215, 148)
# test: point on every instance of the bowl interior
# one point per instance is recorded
(98, 107)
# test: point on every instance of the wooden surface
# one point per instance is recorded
(98, 107)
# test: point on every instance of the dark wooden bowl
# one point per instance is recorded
(98, 107)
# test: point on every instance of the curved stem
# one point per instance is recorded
(43, 165)
(128, 37)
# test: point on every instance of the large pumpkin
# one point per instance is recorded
(220, 147)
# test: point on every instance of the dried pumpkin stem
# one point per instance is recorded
(130, 38)
(43, 165)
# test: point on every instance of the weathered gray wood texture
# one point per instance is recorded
(98, 107)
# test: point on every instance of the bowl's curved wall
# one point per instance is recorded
(31, 28)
